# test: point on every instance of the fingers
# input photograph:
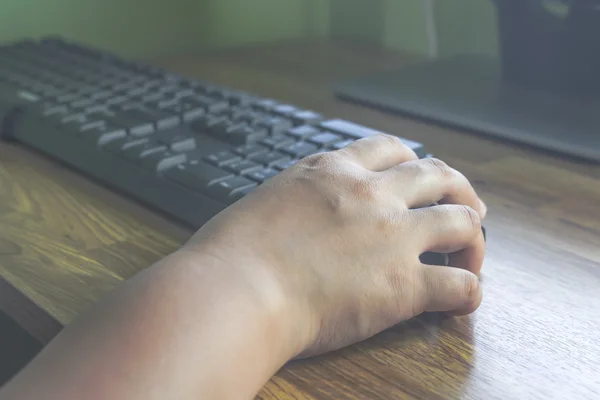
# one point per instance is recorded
(446, 289)
(471, 257)
(379, 152)
(453, 229)
(429, 181)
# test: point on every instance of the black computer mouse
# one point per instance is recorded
(431, 258)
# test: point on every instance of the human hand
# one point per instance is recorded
(333, 243)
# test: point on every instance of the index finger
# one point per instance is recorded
(429, 181)
(379, 152)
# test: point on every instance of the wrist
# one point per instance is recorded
(274, 313)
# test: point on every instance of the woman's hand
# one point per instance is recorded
(322, 256)
(333, 243)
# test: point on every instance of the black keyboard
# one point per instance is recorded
(183, 146)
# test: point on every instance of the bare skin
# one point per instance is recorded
(320, 257)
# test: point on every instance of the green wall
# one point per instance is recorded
(118, 25)
(390, 23)
(160, 27)
(462, 25)
(237, 22)
(404, 22)
(466, 26)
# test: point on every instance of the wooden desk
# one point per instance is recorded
(65, 241)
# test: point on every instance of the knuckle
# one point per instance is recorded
(400, 147)
(469, 216)
(321, 161)
(468, 285)
(387, 223)
(392, 140)
(365, 190)
(438, 167)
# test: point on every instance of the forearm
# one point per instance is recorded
(182, 329)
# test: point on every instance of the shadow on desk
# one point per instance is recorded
(17, 347)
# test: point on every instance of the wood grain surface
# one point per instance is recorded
(65, 242)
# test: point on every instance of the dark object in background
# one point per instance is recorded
(17, 347)
(543, 92)
(551, 44)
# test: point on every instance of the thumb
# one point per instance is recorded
(455, 291)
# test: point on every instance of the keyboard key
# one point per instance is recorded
(82, 103)
(277, 142)
(92, 125)
(356, 131)
(216, 92)
(265, 104)
(244, 134)
(239, 99)
(349, 129)
(153, 96)
(28, 96)
(124, 86)
(300, 149)
(122, 144)
(204, 124)
(134, 153)
(162, 104)
(303, 131)
(245, 115)
(135, 120)
(222, 129)
(222, 158)
(141, 129)
(179, 93)
(102, 135)
(193, 114)
(275, 125)
(98, 114)
(116, 100)
(304, 117)
(269, 159)
(262, 175)
(197, 175)
(224, 190)
(284, 164)
(324, 139)
(56, 111)
(167, 121)
(177, 139)
(284, 109)
(134, 123)
(209, 104)
(79, 118)
(187, 111)
(241, 193)
(242, 167)
(137, 91)
(101, 109)
(101, 95)
(248, 150)
(160, 161)
(341, 145)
